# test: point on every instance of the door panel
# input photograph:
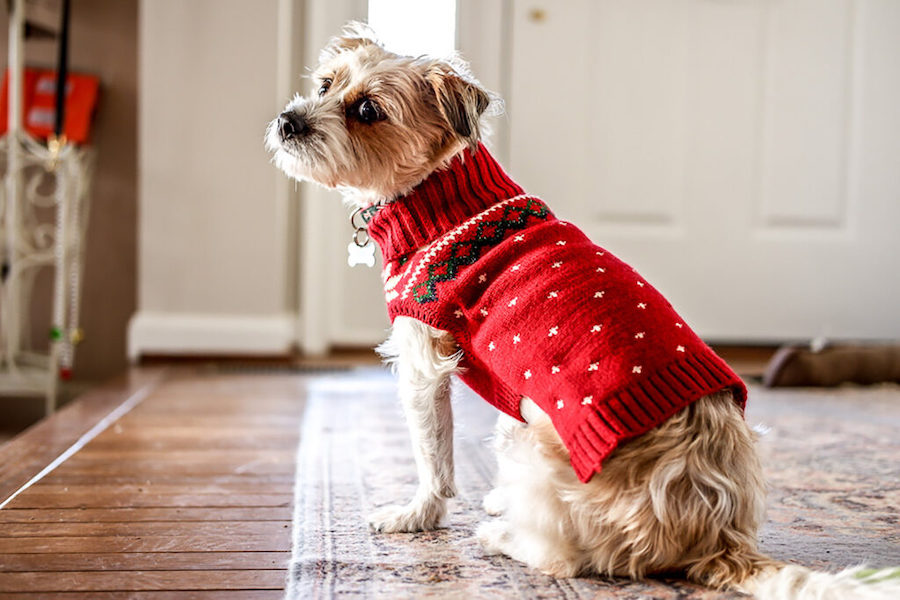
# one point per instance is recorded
(806, 85)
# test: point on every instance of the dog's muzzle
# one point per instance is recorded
(291, 126)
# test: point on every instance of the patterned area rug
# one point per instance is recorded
(831, 458)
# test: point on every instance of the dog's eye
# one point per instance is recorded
(326, 83)
(367, 111)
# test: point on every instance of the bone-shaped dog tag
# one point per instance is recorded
(361, 255)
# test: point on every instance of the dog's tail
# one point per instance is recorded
(768, 579)
(796, 582)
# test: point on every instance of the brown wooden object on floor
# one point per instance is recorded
(184, 490)
(831, 366)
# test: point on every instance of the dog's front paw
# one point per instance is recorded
(494, 502)
(494, 536)
(411, 517)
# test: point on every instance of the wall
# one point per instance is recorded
(103, 41)
(216, 261)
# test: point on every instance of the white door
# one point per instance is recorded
(744, 156)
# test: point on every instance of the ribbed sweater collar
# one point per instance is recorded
(472, 182)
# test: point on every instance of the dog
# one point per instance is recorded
(622, 448)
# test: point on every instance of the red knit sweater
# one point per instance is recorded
(540, 311)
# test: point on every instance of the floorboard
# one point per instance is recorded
(35, 498)
(213, 527)
(186, 494)
(273, 594)
(113, 581)
(146, 561)
(134, 515)
(205, 542)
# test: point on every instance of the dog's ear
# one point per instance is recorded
(460, 99)
(353, 35)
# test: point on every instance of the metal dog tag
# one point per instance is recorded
(361, 250)
(361, 255)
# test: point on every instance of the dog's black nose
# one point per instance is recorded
(291, 125)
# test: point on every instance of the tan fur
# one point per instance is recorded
(686, 497)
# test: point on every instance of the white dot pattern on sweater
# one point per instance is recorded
(555, 330)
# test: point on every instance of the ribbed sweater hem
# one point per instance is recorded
(643, 404)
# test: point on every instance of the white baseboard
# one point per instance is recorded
(194, 333)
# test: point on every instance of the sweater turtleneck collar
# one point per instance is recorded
(471, 183)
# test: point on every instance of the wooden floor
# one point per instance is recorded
(164, 480)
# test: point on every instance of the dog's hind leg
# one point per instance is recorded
(497, 501)
(535, 526)
(423, 358)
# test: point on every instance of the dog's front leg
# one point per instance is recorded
(424, 358)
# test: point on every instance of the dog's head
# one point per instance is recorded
(376, 121)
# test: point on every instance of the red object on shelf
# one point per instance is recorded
(65, 374)
(39, 104)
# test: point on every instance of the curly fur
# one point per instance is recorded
(687, 496)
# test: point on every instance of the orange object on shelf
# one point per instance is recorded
(39, 104)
